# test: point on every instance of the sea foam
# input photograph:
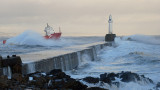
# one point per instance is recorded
(143, 39)
(29, 37)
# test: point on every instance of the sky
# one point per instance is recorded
(80, 17)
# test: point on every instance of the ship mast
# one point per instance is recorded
(60, 29)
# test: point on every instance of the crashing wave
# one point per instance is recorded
(143, 39)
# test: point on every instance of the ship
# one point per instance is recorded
(50, 34)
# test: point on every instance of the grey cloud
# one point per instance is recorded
(72, 14)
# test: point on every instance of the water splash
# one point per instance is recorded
(144, 39)
(33, 38)
(7, 71)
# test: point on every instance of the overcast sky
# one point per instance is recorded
(81, 17)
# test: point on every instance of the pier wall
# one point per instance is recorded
(65, 62)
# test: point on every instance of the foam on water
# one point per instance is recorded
(144, 39)
(32, 38)
(136, 53)
(140, 54)
(30, 41)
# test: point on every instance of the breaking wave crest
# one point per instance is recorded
(29, 37)
(143, 39)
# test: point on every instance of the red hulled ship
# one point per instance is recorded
(50, 34)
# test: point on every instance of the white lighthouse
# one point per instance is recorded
(110, 21)
(110, 36)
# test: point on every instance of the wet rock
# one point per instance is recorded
(39, 81)
(55, 71)
(14, 63)
(3, 81)
(116, 83)
(132, 77)
(128, 77)
(158, 85)
(0, 57)
(61, 75)
(75, 85)
(58, 83)
(91, 80)
(103, 76)
(17, 77)
(57, 79)
(25, 79)
(37, 74)
(96, 88)
(1, 70)
(112, 76)
(108, 78)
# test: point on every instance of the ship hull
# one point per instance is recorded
(53, 36)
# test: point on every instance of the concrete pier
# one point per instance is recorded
(66, 59)
(110, 37)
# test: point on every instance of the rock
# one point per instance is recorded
(14, 63)
(58, 83)
(158, 85)
(103, 76)
(124, 77)
(3, 81)
(112, 76)
(0, 57)
(91, 80)
(116, 83)
(75, 85)
(108, 78)
(96, 88)
(39, 81)
(1, 70)
(17, 77)
(37, 74)
(55, 71)
(128, 77)
(61, 75)
(17, 68)
(25, 79)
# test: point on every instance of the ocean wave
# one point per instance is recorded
(29, 37)
(143, 38)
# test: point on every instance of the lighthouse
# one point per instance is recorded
(110, 36)
(110, 21)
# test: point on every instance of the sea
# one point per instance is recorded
(136, 53)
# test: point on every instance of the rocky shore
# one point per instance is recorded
(56, 79)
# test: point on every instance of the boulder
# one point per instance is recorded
(103, 76)
(91, 80)
(74, 85)
(108, 78)
(3, 81)
(96, 88)
(128, 77)
(158, 85)
(55, 71)
(17, 77)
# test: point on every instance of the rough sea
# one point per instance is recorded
(136, 53)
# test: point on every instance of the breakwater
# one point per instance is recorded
(66, 59)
